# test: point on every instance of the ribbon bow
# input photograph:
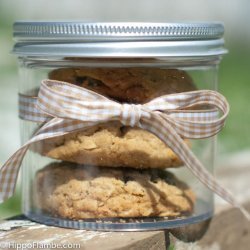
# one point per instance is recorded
(67, 108)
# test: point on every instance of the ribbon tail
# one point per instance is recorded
(9, 174)
(9, 171)
(162, 129)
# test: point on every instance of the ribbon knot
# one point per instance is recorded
(131, 114)
(66, 108)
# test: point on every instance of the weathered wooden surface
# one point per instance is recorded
(228, 230)
(85, 239)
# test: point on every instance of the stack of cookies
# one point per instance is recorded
(111, 170)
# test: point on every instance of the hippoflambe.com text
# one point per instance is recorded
(38, 245)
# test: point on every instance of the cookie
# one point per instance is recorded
(112, 145)
(130, 85)
(116, 145)
(78, 192)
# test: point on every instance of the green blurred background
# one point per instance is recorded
(234, 74)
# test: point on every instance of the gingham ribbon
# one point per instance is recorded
(28, 111)
(67, 108)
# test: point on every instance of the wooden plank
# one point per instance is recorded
(81, 239)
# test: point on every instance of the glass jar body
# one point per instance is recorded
(111, 176)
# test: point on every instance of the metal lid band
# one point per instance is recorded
(115, 40)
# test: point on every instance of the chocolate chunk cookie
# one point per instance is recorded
(76, 192)
(131, 85)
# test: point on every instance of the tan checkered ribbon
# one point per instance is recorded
(67, 108)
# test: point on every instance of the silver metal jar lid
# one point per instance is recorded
(81, 39)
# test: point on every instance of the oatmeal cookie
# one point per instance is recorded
(76, 192)
(111, 145)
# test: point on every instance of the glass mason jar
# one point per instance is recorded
(110, 176)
